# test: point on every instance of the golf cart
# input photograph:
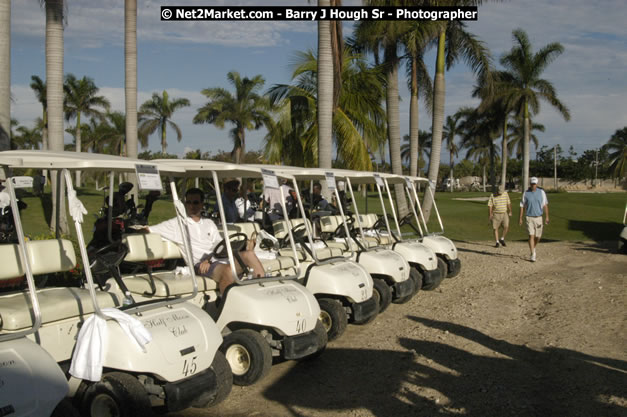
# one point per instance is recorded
(128, 358)
(259, 318)
(343, 288)
(443, 247)
(31, 382)
(622, 238)
(393, 279)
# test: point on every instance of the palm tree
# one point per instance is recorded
(450, 131)
(358, 121)
(130, 76)
(156, 114)
(423, 149)
(54, 101)
(325, 90)
(39, 87)
(27, 138)
(454, 42)
(246, 109)
(81, 99)
(516, 136)
(525, 88)
(5, 74)
(617, 148)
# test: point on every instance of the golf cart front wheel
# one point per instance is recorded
(382, 293)
(333, 317)
(248, 354)
(224, 380)
(116, 395)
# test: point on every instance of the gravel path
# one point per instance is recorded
(506, 338)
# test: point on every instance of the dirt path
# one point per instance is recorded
(507, 337)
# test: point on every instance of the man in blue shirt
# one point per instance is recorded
(534, 203)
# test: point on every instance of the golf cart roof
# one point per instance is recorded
(356, 177)
(9, 161)
(80, 160)
(198, 168)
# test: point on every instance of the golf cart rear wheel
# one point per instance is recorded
(248, 354)
(416, 276)
(382, 293)
(224, 378)
(116, 395)
(333, 317)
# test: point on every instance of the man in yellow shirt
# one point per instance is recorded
(500, 210)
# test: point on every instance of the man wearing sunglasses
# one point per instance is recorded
(204, 237)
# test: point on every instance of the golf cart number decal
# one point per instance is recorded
(170, 322)
(189, 366)
(290, 294)
(301, 325)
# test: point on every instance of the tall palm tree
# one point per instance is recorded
(39, 88)
(525, 88)
(516, 136)
(246, 110)
(156, 114)
(81, 99)
(325, 90)
(449, 133)
(454, 42)
(480, 130)
(27, 138)
(423, 148)
(54, 101)
(617, 148)
(130, 76)
(5, 74)
(418, 36)
(358, 121)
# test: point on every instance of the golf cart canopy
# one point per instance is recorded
(200, 168)
(81, 161)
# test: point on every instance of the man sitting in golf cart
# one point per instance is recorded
(204, 237)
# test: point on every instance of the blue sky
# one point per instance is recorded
(185, 57)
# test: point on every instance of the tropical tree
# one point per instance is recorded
(27, 138)
(5, 74)
(39, 88)
(524, 88)
(130, 76)
(324, 81)
(54, 101)
(156, 114)
(617, 148)
(358, 121)
(480, 130)
(423, 149)
(454, 43)
(516, 136)
(81, 99)
(246, 110)
(449, 133)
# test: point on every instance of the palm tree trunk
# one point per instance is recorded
(504, 156)
(413, 121)
(492, 167)
(484, 178)
(54, 97)
(325, 91)
(525, 178)
(130, 84)
(394, 127)
(164, 143)
(78, 145)
(242, 141)
(5, 75)
(451, 176)
(44, 139)
(438, 120)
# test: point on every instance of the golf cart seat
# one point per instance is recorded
(151, 247)
(280, 231)
(45, 257)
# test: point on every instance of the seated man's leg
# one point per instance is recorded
(251, 260)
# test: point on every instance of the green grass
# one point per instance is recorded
(574, 216)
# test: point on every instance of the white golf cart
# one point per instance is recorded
(130, 358)
(443, 247)
(394, 280)
(343, 288)
(260, 318)
(31, 382)
(622, 238)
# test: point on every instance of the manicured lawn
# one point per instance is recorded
(574, 216)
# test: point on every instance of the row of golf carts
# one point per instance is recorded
(140, 332)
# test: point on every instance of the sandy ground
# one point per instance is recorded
(506, 338)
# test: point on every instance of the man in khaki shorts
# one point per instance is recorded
(500, 210)
(534, 203)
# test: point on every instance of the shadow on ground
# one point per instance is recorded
(597, 231)
(517, 381)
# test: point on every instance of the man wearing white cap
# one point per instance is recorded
(534, 203)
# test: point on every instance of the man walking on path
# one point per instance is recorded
(500, 210)
(534, 203)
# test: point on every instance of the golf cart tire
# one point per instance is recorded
(443, 269)
(416, 277)
(253, 349)
(405, 299)
(321, 335)
(382, 293)
(119, 390)
(454, 267)
(333, 317)
(224, 379)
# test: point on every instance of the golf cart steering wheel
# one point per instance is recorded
(236, 244)
(106, 262)
(298, 232)
(406, 220)
(339, 230)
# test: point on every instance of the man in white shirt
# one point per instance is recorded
(204, 237)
